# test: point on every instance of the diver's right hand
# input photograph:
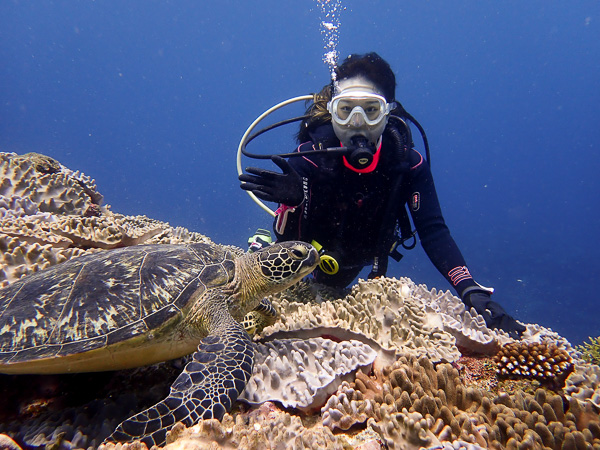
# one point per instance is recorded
(285, 188)
(493, 314)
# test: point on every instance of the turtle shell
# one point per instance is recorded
(109, 310)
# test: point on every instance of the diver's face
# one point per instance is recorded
(358, 108)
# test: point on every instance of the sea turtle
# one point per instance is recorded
(145, 304)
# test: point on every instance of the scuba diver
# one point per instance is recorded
(351, 205)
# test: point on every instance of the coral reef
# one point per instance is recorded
(383, 313)
(584, 384)
(409, 405)
(37, 184)
(50, 214)
(387, 364)
(265, 424)
(78, 410)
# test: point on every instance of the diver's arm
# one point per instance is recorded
(444, 253)
(433, 233)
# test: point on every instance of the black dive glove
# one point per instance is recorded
(493, 313)
(275, 187)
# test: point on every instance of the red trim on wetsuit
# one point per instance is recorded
(459, 274)
(419, 163)
(370, 167)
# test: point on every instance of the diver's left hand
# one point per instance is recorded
(285, 188)
(493, 313)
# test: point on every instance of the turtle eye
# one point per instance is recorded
(298, 253)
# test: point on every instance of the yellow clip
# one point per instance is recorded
(328, 263)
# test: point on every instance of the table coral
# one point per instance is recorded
(304, 373)
(50, 214)
(45, 185)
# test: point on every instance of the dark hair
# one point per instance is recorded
(370, 66)
(317, 113)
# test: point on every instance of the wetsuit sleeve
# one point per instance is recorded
(433, 233)
(287, 223)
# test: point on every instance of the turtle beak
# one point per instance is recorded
(313, 259)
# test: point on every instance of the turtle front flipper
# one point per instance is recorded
(207, 388)
(260, 317)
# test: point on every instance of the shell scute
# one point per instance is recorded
(127, 332)
(160, 317)
(184, 296)
(32, 353)
(215, 275)
(81, 346)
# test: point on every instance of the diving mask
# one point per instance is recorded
(358, 110)
(351, 106)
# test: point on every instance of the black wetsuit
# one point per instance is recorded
(343, 210)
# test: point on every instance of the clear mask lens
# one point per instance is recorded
(344, 107)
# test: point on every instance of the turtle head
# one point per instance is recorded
(271, 270)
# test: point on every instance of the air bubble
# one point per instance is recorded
(330, 26)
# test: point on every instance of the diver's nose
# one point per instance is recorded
(357, 120)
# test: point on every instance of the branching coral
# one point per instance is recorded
(545, 362)
(448, 410)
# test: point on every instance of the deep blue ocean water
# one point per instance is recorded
(152, 97)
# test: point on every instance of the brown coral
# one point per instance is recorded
(346, 408)
(47, 184)
(251, 431)
(542, 361)
(49, 214)
(413, 391)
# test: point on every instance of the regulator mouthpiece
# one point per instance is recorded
(362, 154)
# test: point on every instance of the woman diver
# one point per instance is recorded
(351, 205)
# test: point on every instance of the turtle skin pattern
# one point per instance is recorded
(207, 388)
(222, 365)
(262, 316)
(125, 296)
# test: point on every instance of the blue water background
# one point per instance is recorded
(151, 98)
